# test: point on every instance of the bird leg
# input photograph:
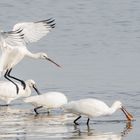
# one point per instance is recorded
(6, 76)
(75, 121)
(5, 105)
(88, 122)
(48, 111)
(35, 109)
(22, 82)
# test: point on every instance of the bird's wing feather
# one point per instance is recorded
(33, 31)
(11, 38)
(89, 107)
(94, 105)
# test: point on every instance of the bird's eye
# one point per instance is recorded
(44, 56)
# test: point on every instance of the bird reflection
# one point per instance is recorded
(21, 124)
(127, 129)
(93, 134)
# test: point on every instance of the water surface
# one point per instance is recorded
(97, 42)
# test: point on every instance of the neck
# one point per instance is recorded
(27, 91)
(112, 109)
(33, 55)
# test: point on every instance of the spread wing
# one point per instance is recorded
(34, 31)
(11, 38)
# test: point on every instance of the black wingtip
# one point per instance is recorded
(51, 21)
(52, 25)
(48, 21)
(19, 30)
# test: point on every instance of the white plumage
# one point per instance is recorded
(8, 90)
(13, 45)
(94, 108)
(49, 100)
(33, 31)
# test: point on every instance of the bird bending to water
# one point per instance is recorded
(8, 94)
(94, 108)
(13, 46)
(49, 100)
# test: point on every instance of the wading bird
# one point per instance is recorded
(8, 90)
(13, 46)
(49, 100)
(94, 108)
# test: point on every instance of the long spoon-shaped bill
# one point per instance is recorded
(37, 91)
(127, 114)
(49, 59)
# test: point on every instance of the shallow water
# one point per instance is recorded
(97, 44)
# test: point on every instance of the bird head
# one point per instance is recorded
(42, 55)
(32, 84)
(118, 105)
(45, 56)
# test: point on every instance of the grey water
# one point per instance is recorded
(97, 43)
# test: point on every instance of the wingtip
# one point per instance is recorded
(50, 21)
(53, 25)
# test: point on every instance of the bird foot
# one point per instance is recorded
(76, 123)
(36, 112)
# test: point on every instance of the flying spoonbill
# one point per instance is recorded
(13, 46)
(91, 107)
(8, 94)
(49, 100)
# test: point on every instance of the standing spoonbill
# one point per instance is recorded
(13, 46)
(49, 100)
(8, 94)
(91, 107)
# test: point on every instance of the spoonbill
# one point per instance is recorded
(8, 94)
(91, 107)
(13, 46)
(49, 100)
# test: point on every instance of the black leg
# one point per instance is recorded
(48, 112)
(35, 109)
(22, 82)
(6, 76)
(4, 105)
(76, 120)
(88, 121)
